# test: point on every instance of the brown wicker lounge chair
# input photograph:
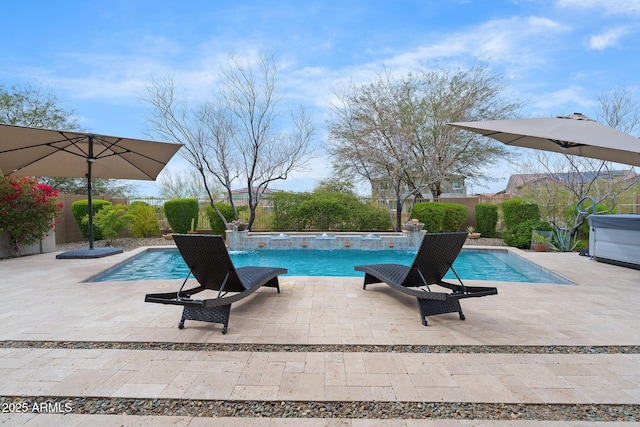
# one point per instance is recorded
(434, 258)
(209, 262)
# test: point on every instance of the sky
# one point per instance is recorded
(98, 57)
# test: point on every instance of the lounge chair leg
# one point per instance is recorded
(181, 324)
(462, 316)
(424, 321)
(224, 329)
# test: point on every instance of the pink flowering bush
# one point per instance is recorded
(28, 210)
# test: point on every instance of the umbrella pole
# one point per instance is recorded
(90, 160)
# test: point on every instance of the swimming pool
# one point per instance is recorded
(471, 264)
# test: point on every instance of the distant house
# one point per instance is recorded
(451, 188)
(241, 196)
(519, 182)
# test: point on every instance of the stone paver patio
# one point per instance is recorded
(83, 348)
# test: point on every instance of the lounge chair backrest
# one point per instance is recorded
(207, 257)
(437, 253)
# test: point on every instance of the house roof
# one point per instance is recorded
(254, 189)
(519, 180)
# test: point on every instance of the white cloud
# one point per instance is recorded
(609, 7)
(518, 41)
(609, 38)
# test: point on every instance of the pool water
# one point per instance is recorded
(492, 265)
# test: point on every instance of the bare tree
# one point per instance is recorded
(264, 153)
(565, 179)
(186, 183)
(237, 135)
(393, 132)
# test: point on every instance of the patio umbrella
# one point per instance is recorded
(574, 134)
(28, 151)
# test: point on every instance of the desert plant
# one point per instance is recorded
(563, 241)
(471, 229)
(539, 238)
(180, 212)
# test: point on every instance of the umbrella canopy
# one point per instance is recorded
(574, 134)
(45, 152)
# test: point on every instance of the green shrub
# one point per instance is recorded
(144, 222)
(519, 236)
(325, 210)
(111, 220)
(180, 213)
(517, 211)
(486, 219)
(431, 214)
(455, 215)
(285, 211)
(215, 222)
(80, 210)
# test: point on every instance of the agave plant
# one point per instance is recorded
(563, 242)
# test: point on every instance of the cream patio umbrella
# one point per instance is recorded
(574, 134)
(28, 151)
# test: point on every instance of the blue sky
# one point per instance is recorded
(557, 56)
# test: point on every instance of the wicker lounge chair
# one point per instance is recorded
(209, 262)
(434, 258)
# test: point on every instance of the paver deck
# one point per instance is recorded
(321, 340)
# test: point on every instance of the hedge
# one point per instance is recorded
(519, 236)
(486, 219)
(517, 211)
(180, 213)
(440, 217)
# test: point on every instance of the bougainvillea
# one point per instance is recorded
(28, 210)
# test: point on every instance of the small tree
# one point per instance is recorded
(111, 220)
(28, 211)
(144, 222)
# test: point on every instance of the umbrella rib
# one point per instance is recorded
(566, 144)
(111, 146)
(52, 145)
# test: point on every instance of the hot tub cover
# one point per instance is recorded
(619, 221)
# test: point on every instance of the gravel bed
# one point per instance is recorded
(326, 348)
(331, 409)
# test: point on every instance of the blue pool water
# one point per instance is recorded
(489, 265)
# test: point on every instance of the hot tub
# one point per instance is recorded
(615, 239)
